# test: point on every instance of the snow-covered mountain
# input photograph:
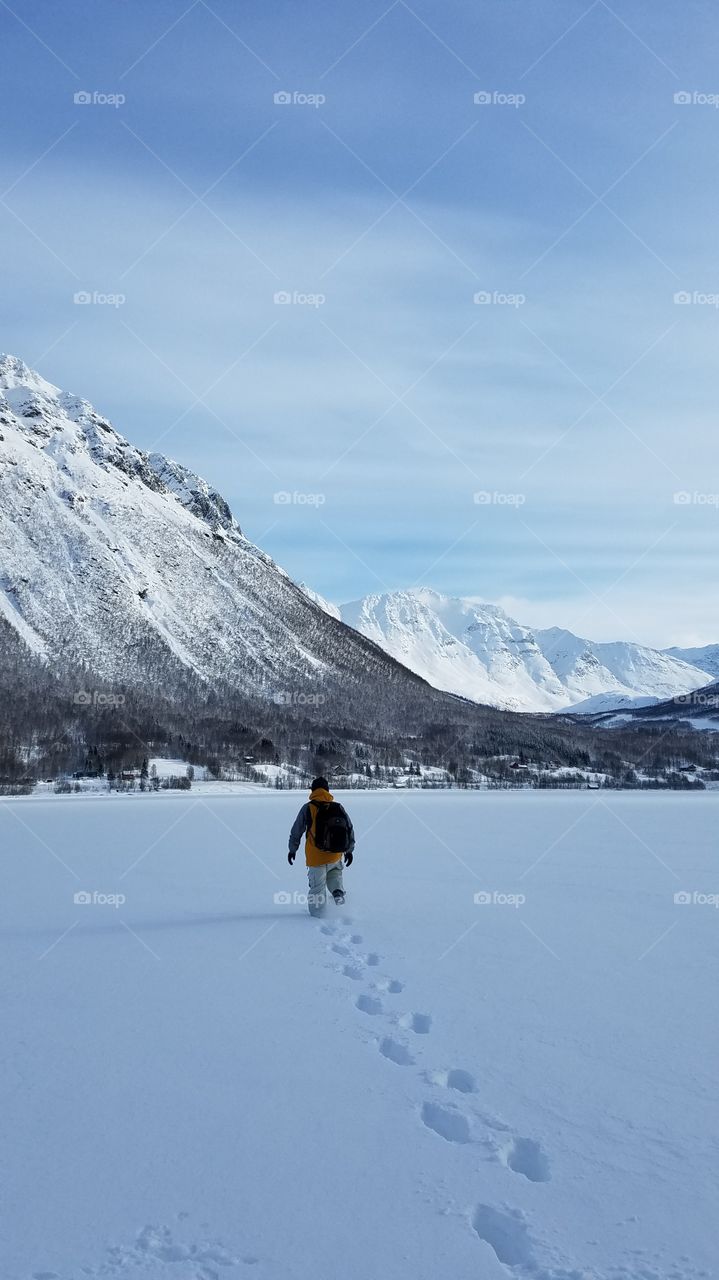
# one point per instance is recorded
(125, 563)
(707, 658)
(326, 605)
(478, 651)
(699, 708)
(588, 669)
(475, 650)
(600, 703)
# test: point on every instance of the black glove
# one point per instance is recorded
(291, 856)
(348, 859)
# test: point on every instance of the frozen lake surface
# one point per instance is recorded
(499, 1060)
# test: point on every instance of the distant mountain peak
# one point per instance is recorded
(706, 657)
(475, 649)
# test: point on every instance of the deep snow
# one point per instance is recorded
(202, 1082)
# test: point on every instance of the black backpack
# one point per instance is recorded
(332, 827)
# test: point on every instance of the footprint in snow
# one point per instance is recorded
(156, 1246)
(368, 1004)
(393, 986)
(505, 1231)
(339, 949)
(506, 1234)
(351, 971)
(448, 1123)
(395, 1051)
(525, 1156)
(157, 1242)
(420, 1023)
(459, 1080)
(372, 959)
(356, 939)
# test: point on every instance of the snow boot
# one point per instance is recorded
(339, 897)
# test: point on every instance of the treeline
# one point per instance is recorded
(54, 725)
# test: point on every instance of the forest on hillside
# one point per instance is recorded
(55, 726)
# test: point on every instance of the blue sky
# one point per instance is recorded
(382, 198)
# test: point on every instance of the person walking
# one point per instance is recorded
(329, 845)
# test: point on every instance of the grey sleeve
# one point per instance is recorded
(299, 827)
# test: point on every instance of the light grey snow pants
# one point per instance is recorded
(323, 880)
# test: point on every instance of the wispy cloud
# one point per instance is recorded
(422, 240)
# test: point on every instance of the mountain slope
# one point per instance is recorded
(473, 650)
(129, 565)
(707, 658)
(479, 652)
(325, 605)
(700, 708)
(587, 668)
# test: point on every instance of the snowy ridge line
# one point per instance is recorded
(45, 413)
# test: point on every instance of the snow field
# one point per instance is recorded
(202, 1081)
